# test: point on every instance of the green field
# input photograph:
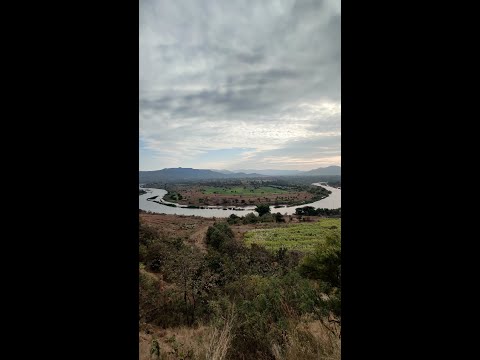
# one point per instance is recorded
(301, 237)
(240, 190)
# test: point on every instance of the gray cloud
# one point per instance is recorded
(221, 74)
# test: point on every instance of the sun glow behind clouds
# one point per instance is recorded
(259, 81)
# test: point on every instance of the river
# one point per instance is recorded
(333, 201)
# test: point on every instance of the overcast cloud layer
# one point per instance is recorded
(239, 84)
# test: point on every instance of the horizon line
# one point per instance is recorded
(181, 167)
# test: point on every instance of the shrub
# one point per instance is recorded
(233, 219)
(156, 255)
(146, 234)
(219, 234)
(267, 218)
(266, 309)
(250, 218)
(142, 253)
(279, 217)
(325, 263)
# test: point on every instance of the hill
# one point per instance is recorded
(189, 174)
(329, 170)
(272, 172)
(186, 174)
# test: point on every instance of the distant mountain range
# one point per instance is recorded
(271, 172)
(179, 174)
(329, 170)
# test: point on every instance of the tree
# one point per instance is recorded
(187, 271)
(262, 209)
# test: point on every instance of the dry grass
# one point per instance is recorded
(221, 338)
(192, 229)
(310, 340)
(175, 343)
(201, 343)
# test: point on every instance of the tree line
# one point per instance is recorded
(311, 211)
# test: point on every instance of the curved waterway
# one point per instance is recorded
(333, 201)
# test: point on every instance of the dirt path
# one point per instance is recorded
(192, 229)
(198, 238)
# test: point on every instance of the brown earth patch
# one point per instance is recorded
(192, 229)
(193, 195)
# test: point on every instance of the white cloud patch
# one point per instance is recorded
(263, 75)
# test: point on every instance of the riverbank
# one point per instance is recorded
(333, 201)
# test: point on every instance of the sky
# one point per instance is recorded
(241, 84)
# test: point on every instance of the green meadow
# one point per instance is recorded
(240, 190)
(302, 237)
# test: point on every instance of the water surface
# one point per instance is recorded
(333, 201)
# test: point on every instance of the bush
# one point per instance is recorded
(157, 306)
(267, 307)
(267, 218)
(233, 219)
(250, 218)
(146, 234)
(158, 254)
(325, 263)
(142, 253)
(279, 217)
(148, 294)
(218, 235)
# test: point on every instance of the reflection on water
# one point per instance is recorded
(333, 201)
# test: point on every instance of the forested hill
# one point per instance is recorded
(179, 174)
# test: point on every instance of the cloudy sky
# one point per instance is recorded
(240, 84)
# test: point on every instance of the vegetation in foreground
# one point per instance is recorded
(231, 301)
(303, 237)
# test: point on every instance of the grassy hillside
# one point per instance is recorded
(303, 237)
(205, 295)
